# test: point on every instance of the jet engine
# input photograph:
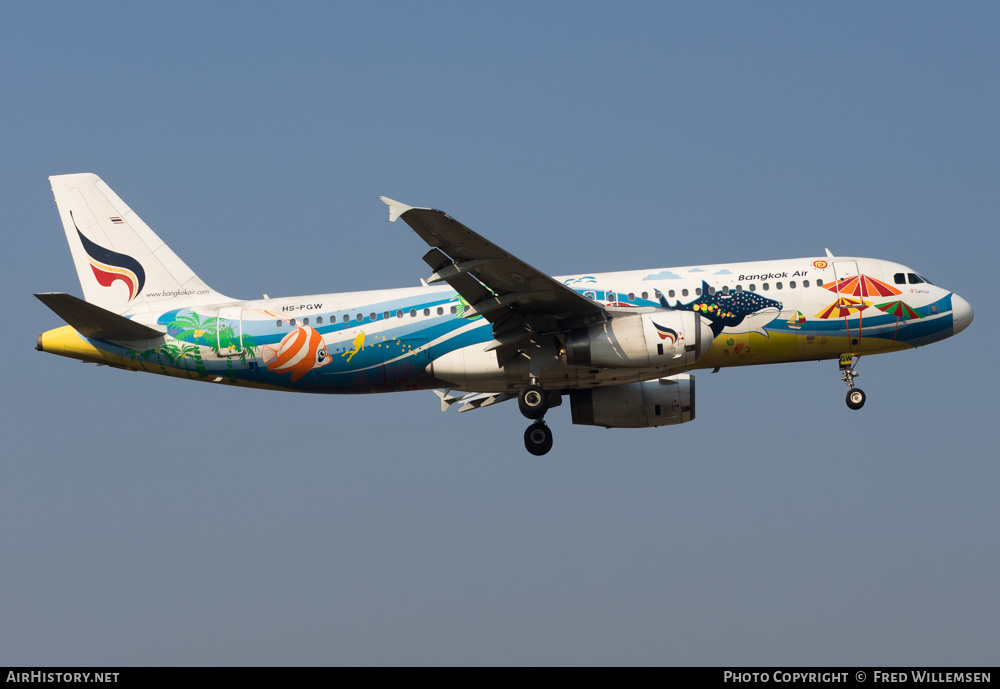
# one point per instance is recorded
(663, 402)
(664, 339)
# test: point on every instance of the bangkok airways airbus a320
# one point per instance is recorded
(485, 326)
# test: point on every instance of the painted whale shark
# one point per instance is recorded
(724, 309)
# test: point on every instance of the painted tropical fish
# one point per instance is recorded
(299, 352)
(724, 310)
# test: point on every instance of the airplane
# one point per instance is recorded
(485, 327)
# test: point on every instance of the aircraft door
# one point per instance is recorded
(229, 331)
(843, 270)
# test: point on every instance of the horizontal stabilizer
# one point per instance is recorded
(93, 322)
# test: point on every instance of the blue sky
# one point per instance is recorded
(155, 521)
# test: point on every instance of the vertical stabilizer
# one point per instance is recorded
(122, 265)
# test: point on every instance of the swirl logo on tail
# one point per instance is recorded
(109, 266)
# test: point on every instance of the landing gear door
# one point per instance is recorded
(229, 331)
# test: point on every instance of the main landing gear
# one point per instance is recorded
(533, 403)
(855, 396)
(538, 438)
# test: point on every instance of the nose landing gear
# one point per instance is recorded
(855, 396)
(533, 403)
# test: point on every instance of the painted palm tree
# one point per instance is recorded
(179, 352)
(136, 356)
(193, 329)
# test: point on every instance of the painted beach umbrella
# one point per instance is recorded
(899, 309)
(842, 308)
(863, 286)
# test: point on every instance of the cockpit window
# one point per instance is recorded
(912, 278)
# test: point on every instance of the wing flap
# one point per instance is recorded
(471, 400)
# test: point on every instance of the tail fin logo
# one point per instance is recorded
(109, 266)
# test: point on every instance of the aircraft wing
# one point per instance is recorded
(517, 299)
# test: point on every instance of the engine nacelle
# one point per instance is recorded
(662, 402)
(664, 339)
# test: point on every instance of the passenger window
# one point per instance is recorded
(791, 285)
(305, 321)
(819, 283)
(372, 316)
(440, 310)
(346, 318)
(766, 287)
(385, 314)
(777, 285)
(711, 290)
(645, 295)
(697, 291)
(631, 296)
(454, 309)
(805, 283)
(413, 313)
(672, 294)
(657, 293)
(427, 312)
(279, 323)
(752, 287)
(739, 288)
(360, 317)
(319, 320)
(899, 279)
(399, 314)
(684, 292)
(725, 289)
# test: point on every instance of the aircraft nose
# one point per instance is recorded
(961, 312)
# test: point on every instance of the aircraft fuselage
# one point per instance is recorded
(418, 338)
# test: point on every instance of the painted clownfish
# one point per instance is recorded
(299, 352)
